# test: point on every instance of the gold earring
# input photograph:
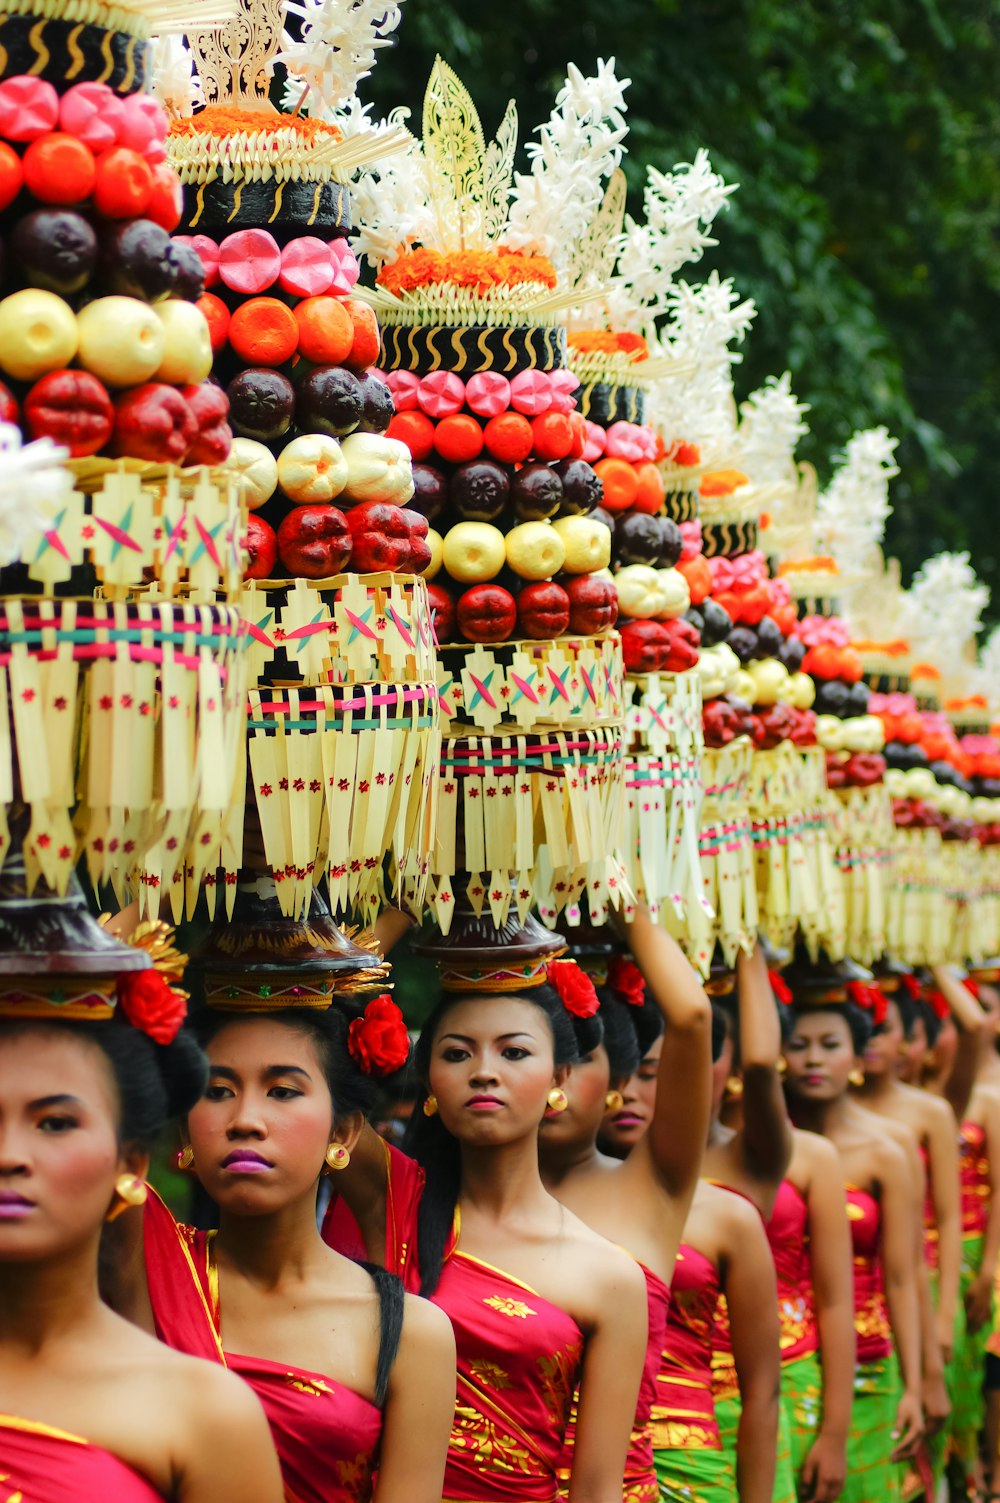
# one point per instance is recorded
(782, 1065)
(856, 1077)
(185, 1159)
(557, 1099)
(614, 1101)
(130, 1191)
(430, 1106)
(337, 1156)
(734, 1087)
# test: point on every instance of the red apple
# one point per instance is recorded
(593, 604)
(154, 422)
(73, 408)
(443, 614)
(314, 541)
(210, 406)
(262, 549)
(487, 613)
(543, 610)
(387, 539)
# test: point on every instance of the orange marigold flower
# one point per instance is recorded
(481, 270)
(609, 342)
(230, 120)
(722, 482)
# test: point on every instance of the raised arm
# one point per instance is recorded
(676, 1138)
(747, 1272)
(614, 1355)
(766, 1138)
(897, 1196)
(970, 1020)
(825, 1467)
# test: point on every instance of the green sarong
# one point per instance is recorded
(802, 1400)
(968, 1406)
(727, 1414)
(871, 1476)
(695, 1476)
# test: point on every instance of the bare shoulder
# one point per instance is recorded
(813, 1156)
(890, 1158)
(427, 1331)
(934, 1111)
(608, 1267)
(200, 1394)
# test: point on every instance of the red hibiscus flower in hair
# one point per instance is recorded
(910, 985)
(870, 998)
(152, 1006)
(939, 1002)
(779, 986)
(575, 989)
(971, 986)
(627, 981)
(378, 1041)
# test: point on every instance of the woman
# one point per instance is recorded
(353, 1381)
(825, 1046)
(90, 1408)
(724, 1254)
(539, 1302)
(641, 1202)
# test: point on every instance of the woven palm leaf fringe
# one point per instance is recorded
(530, 820)
(664, 792)
(119, 729)
(342, 778)
(861, 823)
(729, 915)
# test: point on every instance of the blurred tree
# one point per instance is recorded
(866, 140)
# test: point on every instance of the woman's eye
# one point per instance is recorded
(57, 1124)
(284, 1093)
(649, 1073)
(217, 1092)
(455, 1056)
(513, 1051)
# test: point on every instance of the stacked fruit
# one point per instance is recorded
(498, 467)
(102, 345)
(295, 352)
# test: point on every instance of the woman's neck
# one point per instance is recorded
(823, 1117)
(560, 1161)
(283, 1246)
(498, 1180)
(877, 1089)
(44, 1302)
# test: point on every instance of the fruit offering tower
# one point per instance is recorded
(472, 280)
(122, 711)
(343, 719)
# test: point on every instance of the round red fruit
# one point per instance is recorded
(487, 613)
(593, 604)
(8, 405)
(543, 610)
(123, 186)
(73, 408)
(262, 549)
(11, 174)
(166, 199)
(367, 342)
(443, 613)
(314, 542)
(154, 422)
(59, 169)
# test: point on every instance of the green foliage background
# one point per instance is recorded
(866, 141)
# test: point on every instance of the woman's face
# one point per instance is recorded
(586, 1089)
(261, 1130)
(884, 1048)
(491, 1069)
(941, 1059)
(819, 1056)
(910, 1064)
(59, 1149)
(621, 1130)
